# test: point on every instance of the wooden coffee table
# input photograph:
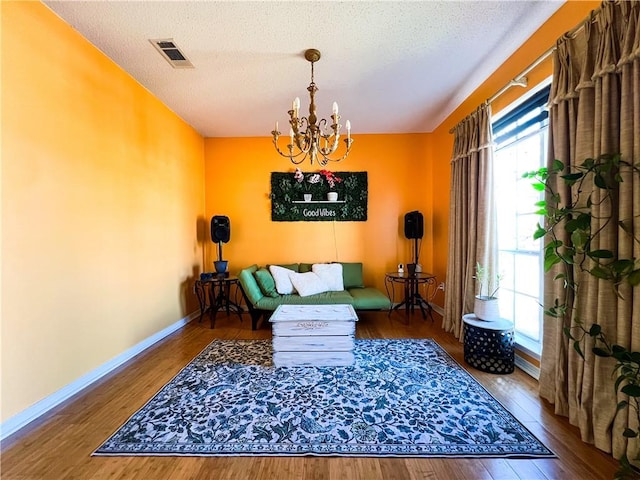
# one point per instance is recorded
(313, 335)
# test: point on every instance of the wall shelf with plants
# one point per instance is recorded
(319, 196)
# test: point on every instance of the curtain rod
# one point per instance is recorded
(520, 80)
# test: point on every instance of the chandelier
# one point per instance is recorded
(307, 136)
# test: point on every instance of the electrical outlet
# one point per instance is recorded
(441, 286)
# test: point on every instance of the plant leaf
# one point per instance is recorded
(634, 278)
(539, 233)
(572, 225)
(550, 261)
(599, 352)
(571, 178)
(579, 239)
(595, 330)
(576, 347)
(557, 166)
(588, 163)
(567, 333)
(631, 390)
(599, 181)
(621, 265)
(600, 254)
(600, 272)
(622, 405)
(552, 245)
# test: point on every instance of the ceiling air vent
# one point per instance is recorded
(171, 53)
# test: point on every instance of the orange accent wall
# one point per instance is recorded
(567, 17)
(237, 176)
(102, 188)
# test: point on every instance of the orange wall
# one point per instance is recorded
(238, 183)
(567, 17)
(102, 187)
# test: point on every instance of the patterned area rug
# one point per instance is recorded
(404, 398)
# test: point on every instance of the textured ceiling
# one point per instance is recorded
(393, 67)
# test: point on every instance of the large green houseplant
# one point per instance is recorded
(580, 204)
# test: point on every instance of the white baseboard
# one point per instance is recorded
(30, 414)
(527, 367)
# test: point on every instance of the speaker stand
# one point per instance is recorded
(221, 298)
(415, 299)
(412, 290)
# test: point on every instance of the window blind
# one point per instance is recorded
(515, 124)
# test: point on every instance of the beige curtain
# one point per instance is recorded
(472, 235)
(595, 109)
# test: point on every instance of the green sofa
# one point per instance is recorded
(262, 300)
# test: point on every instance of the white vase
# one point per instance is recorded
(332, 196)
(307, 197)
(486, 308)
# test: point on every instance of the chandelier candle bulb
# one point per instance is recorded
(296, 107)
(335, 108)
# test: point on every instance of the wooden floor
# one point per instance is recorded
(60, 445)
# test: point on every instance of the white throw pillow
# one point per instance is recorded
(331, 274)
(281, 277)
(307, 283)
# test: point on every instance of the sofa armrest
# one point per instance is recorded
(250, 287)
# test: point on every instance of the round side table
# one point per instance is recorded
(488, 345)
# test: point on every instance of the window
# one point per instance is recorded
(520, 137)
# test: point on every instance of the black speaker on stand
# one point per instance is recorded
(414, 230)
(219, 285)
(220, 233)
(413, 225)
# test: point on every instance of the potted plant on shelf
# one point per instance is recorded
(485, 305)
(305, 183)
(573, 229)
(331, 179)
